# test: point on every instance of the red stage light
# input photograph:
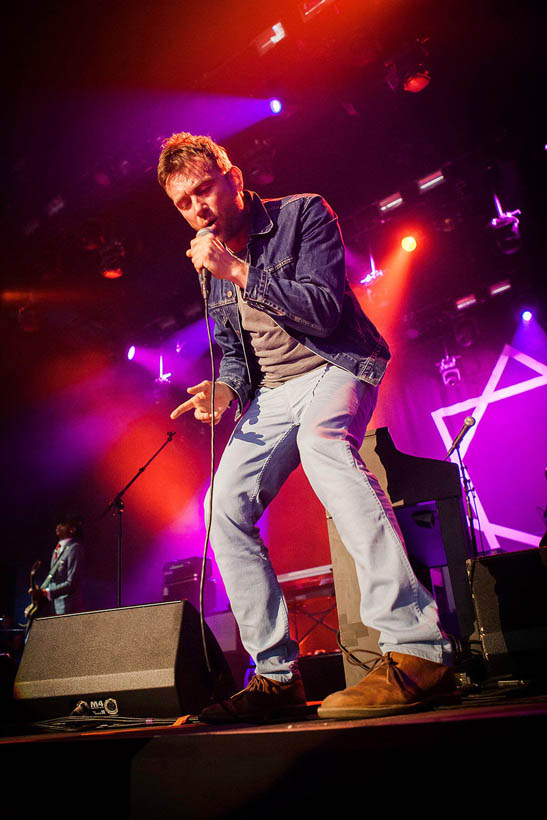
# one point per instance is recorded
(112, 273)
(417, 82)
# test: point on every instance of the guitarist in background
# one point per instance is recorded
(64, 583)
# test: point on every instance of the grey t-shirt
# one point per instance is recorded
(278, 356)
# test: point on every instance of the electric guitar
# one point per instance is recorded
(38, 599)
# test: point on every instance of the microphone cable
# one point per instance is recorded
(209, 512)
(204, 277)
(204, 280)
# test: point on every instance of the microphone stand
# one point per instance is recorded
(468, 490)
(118, 504)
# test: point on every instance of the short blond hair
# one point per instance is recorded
(181, 150)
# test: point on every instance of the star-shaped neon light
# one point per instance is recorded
(477, 406)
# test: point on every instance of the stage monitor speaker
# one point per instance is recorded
(509, 592)
(139, 661)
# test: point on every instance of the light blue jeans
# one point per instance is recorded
(318, 419)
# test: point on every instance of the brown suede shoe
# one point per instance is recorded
(262, 700)
(396, 683)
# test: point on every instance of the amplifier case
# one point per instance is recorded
(509, 593)
(148, 659)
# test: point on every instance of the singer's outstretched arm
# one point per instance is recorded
(200, 402)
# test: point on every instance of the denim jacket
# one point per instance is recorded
(297, 275)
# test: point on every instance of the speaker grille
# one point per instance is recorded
(148, 658)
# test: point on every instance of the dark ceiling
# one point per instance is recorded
(90, 88)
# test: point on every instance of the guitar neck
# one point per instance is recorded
(47, 580)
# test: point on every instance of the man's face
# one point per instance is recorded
(208, 198)
(64, 530)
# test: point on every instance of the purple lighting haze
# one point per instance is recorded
(155, 116)
(478, 405)
(181, 538)
(147, 357)
(215, 113)
(72, 428)
(178, 360)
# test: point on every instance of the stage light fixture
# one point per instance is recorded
(465, 302)
(417, 81)
(310, 8)
(465, 331)
(526, 315)
(30, 318)
(374, 273)
(259, 161)
(506, 227)
(409, 244)
(55, 205)
(111, 255)
(276, 106)
(112, 273)
(162, 377)
(431, 181)
(408, 70)
(131, 353)
(449, 371)
(499, 287)
(390, 203)
(270, 38)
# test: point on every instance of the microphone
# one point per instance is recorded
(466, 426)
(204, 275)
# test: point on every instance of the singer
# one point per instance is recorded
(303, 363)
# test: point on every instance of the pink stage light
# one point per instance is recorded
(131, 353)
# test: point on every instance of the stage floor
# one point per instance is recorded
(486, 750)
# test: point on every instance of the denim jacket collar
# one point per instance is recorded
(261, 222)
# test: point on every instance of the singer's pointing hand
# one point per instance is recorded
(200, 402)
(207, 251)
